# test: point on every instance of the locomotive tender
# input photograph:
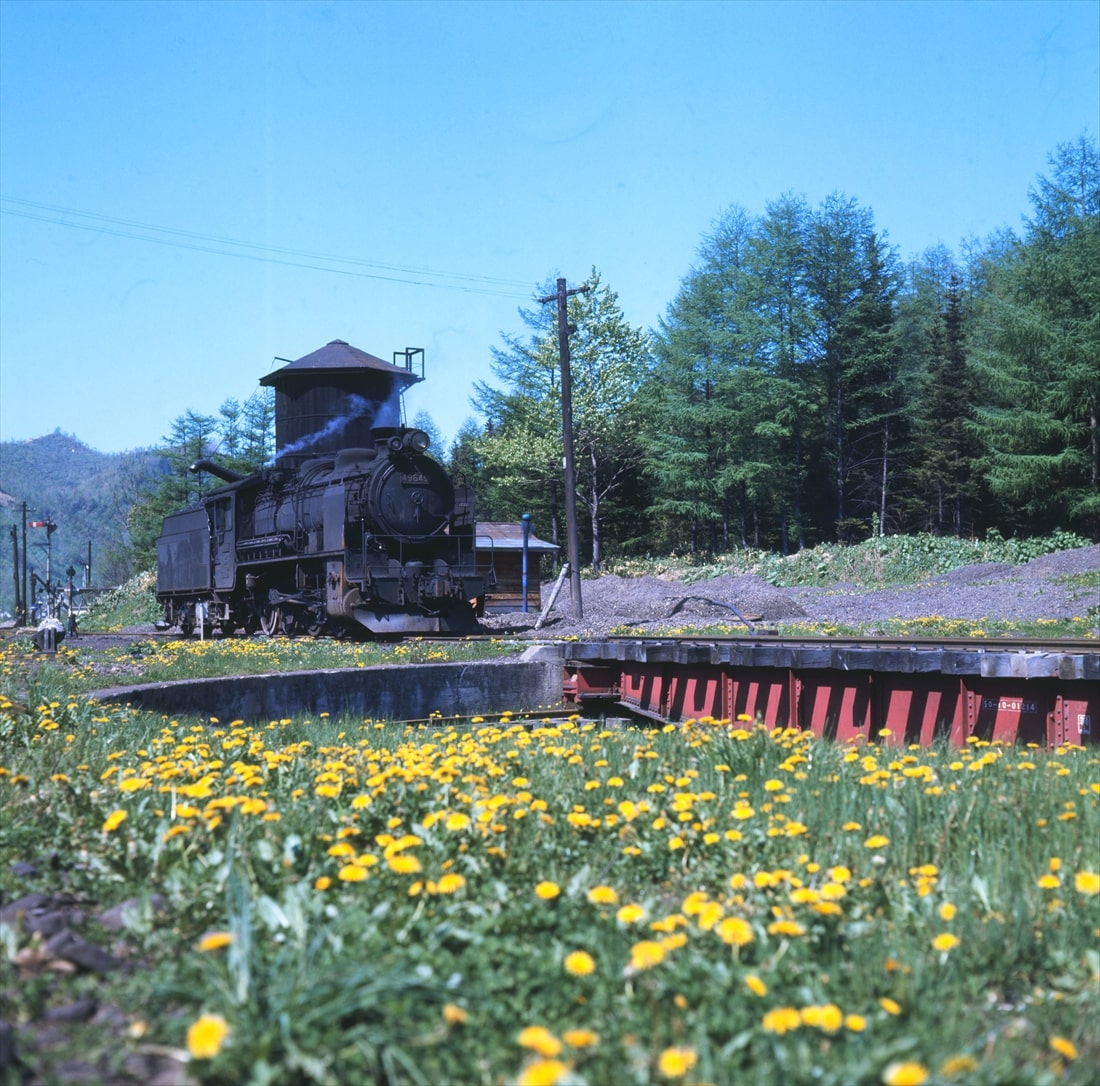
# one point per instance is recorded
(353, 528)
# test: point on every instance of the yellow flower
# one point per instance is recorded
(630, 914)
(1064, 1047)
(548, 890)
(646, 954)
(959, 1065)
(206, 1036)
(542, 1073)
(457, 821)
(1049, 882)
(781, 1020)
(889, 1006)
(945, 941)
(114, 820)
(878, 840)
(676, 1062)
(351, 873)
(908, 1073)
(450, 882)
(603, 895)
(947, 911)
(403, 864)
(579, 963)
(756, 985)
(735, 931)
(214, 940)
(454, 1015)
(581, 1038)
(855, 1022)
(323, 883)
(1087, 882)
(786, 927)
(539, 1039)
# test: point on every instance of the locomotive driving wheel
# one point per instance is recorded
(271, 619)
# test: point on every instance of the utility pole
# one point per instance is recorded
(562, 297)
(25, 617)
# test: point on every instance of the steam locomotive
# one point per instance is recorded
(375, 537)
(335, 537)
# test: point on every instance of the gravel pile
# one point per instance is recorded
(987, 591)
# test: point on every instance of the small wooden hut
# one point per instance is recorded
(501, 542)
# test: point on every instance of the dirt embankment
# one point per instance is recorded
(1036, 590)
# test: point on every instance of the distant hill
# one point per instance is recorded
(87, 494)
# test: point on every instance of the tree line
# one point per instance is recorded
(805, 386)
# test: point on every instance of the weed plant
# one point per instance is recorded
(572, 903)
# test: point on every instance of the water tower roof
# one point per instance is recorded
(339, 356)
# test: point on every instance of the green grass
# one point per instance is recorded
(407, 905)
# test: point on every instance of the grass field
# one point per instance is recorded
(349, 901)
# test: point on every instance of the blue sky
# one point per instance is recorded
(190, 190)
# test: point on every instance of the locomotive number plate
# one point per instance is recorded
(414, 478)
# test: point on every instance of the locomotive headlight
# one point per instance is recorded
(417, 441)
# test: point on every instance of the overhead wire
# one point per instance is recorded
(269, 254)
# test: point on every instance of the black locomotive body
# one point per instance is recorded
(373, 537)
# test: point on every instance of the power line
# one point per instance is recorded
(268, 254)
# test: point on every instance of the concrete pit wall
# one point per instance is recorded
(389, 692)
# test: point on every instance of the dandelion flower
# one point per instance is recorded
(403, 864)
(214, 940)
(945, 941)
(113, 821)
(539, 1039)
(542, 1073)
(581, 1038)
(958, 1065)
(878, 840)
(676, 1062)
(351, 873)
(450, 882)
(735, 931)
(1087, 882)
(579, 963)
(206, 1036)
(856, 1023)
(646, 954)
(631, 914)
(454, 1015)
(947, 911)
(547, 890)
(781, 1020)
(908, 1073)
(890, 1006)
(603, 895)
(756, 985)
(1064, 1047)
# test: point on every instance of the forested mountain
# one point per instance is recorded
(87, 494)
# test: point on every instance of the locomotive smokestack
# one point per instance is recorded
(213, 468)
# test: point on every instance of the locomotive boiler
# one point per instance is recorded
(354, 527)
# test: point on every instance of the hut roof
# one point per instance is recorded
(508, 536)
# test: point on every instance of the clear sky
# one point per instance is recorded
(190, 190)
